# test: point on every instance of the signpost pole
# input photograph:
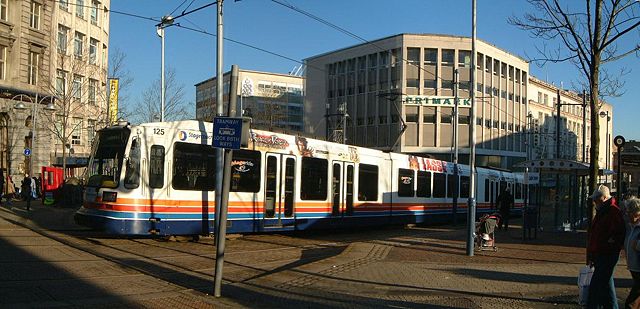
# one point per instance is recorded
(220, 239)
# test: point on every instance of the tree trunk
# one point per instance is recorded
(594, 84)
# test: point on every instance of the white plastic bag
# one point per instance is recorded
(584, 279)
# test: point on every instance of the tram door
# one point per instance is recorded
(493, 194)
(279, 193)
(342, 174)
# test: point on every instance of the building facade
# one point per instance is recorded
(408, 80)
(53, 69)
(274, 101)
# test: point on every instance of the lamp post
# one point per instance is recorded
(34, 113)
(604, 114)
(165, 22)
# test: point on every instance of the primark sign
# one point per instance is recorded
(435, 101)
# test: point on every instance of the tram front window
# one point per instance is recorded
(105, 163)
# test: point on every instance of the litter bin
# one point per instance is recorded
(530, 222)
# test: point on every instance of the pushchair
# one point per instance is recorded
(485, 232)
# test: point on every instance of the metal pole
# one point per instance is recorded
(219, 112)
(607, 161)
(584, 126)
(619, 176)
(33, 149)
(220, 239)
(163, 89)
(556, 205)
(344, 123)
(471, 204)
(456, 178)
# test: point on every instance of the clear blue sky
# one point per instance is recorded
(270, 26)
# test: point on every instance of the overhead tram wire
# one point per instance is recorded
(353, 35)
(181, 4)
(262, 49)
(250, 46)
(201, 31)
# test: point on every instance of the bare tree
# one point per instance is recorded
(118, 69)
(148, 107)
(76, 93)
(589, 35)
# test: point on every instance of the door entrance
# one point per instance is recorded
(279, 193)
(342, 189)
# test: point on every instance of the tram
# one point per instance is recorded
(159, 179)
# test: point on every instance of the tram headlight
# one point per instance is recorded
(109, 196)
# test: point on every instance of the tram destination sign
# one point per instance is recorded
(230, 133)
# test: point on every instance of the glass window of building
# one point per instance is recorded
(413, 67)
(93, 88)
(32, 67)
(76, 87)
(3, 62)
(447, 57)
(430, 56)
(464, 58)
(63, 38)
(61, 78)
(445, 114)
(35, 15)
(429, 115)
(93, 50)
(80, 8)
(94, 12)
(78, 42)
(3, 9)
(76, 131)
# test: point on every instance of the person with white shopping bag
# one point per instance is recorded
(606, 239)
(632, 249)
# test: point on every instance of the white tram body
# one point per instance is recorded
(159, 178)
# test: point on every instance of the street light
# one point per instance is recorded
(166, 21)
(34, 112)
(604, 114)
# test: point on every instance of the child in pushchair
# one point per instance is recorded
(485, 232)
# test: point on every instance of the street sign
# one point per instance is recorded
(27, 152)
(230, 133)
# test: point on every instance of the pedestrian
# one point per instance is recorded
(505, 202)
(25, 187)
(603, 249)
(632, 248)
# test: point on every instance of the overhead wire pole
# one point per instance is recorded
(471, 204)
(456, 119)
(219, 111)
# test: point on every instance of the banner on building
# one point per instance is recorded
(113, 100)
(435, 101)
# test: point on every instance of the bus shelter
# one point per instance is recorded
(559, 194)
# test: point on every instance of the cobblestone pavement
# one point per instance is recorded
(48, 261)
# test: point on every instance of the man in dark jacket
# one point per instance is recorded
(605, 242)
(505, 202)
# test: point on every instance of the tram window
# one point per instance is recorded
(367, 182)
(245, 171)
(486, 190)
(156, 167)
(313, 175)
(439, 185)
(464, 186)
(424, 184)
(451, 185)
(193, 167)
(132, 175)
(518, 191)
(405, 182)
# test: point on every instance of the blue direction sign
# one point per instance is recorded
(227, 132)
(27, 152)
